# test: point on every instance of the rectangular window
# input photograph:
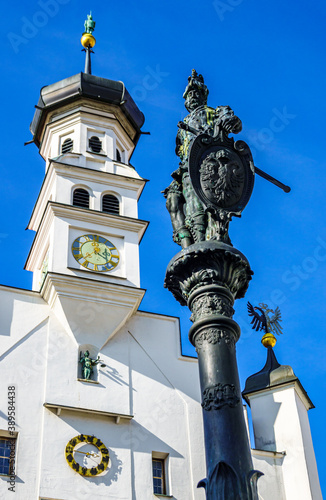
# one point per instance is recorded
(5, 449)
(158, 476)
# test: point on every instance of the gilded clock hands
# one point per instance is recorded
(97, 247)
(88, 453)
(105, 257)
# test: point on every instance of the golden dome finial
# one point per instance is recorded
(268, 340)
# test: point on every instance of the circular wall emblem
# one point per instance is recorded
(87, 455)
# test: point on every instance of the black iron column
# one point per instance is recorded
(208, 276)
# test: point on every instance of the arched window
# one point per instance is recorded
(67, 145)
(118, 155)
(95, 144)
(110, 204)
(81, 198)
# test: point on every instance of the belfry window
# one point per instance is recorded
(81, 198)
(110, 204)
(95, 144)
(67, 145)
(118, 155)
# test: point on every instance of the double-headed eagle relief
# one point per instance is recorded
(262, 321)
(215, 177)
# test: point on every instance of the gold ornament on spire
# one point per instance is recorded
(266, 323)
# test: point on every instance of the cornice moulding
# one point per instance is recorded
(81, 215)
(74, 287)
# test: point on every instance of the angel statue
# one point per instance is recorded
(262, 321)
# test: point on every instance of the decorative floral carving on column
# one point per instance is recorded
(208, 304)
(219, 395)
(214, 336)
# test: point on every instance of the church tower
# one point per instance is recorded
(104, 403)
(86, 247)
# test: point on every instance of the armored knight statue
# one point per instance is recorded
(214, 183)
(221, 175)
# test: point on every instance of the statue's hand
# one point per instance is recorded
(232, 124)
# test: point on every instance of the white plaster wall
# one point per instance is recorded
(143, 377)
(271, 484)
(278, 427)
(23, 346)
(61, 482)
(308, 449)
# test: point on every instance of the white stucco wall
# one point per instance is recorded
(281, 424)
(145, 377)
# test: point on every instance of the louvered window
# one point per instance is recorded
(81, 198)
(67, 146)
(95, 144)
(118, 155)
(110, 204)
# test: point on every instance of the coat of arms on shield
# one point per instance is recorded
(222, 174)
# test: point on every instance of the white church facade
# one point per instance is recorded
(97, 400)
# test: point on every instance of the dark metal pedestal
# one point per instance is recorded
(208, 277)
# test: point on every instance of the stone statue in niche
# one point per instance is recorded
(87, 364)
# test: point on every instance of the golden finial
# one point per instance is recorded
(268, 340)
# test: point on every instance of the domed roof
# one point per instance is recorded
(271, 375)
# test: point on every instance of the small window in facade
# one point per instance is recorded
(158, 476)
(118, 155)
(81, 198)
(5, 449)
(67, 146)
(110, 204)
(95, 144)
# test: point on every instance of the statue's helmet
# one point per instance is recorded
(196, 91)
(86, 353)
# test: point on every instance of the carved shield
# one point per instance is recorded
(222, 174)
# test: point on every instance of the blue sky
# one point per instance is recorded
(264, 59)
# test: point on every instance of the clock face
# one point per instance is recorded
(95, 253)
(87, 455)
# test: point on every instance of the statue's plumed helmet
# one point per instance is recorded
(196, 81)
